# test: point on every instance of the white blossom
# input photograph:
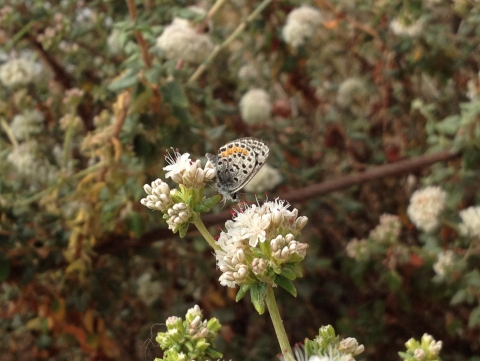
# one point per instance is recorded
(158, 196)
(301, 25)
(255, 106)
(425, 207)
(388, 230)
(444, 262)
(18, 72)
(404, 26)
(350, 91)
(266, 179)
(30, 122)
(148, 290)
(180, 40)
(470, 225)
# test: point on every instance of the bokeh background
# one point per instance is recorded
(93, 93)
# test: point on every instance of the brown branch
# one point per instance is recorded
(394, 169)
(138, 35)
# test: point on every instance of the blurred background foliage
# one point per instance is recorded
(92, 96)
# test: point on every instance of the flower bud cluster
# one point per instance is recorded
(189, 339)
(159, 196)
(426, 349)
(259, 242)
(178, 214)
(328, 346)
(188, 172)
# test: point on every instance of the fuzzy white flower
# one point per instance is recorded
(425, 207)
(188, 172)
(29, 166)
(114, 42)
(351, 90)
(357, 249)
(266, 179)
(444, 262)
(180, 40)
(404, 26)
(470, 225)
(18, 72)
(158, 196)
(241, 255)
(301, 25)
(388, 230)
(255, 106)
(28, 123)
(148, 290)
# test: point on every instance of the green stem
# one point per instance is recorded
(278, 325)
(67, 141)
(205, 233)
(9, 132)
(231, 38)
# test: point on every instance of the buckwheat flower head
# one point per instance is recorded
(445, 262)
(358, 249)
(18, 72)
(30, 122)
(242, 255)
(405, 26)
(388, 230)
(180, 40)
(255, 106)
(158, 196)
(425, 349)
(470, 225)
(188, 172)
(179, 215)
(301, 25)
(148, 290)
(350, 91)
(266, 179)
(425, 207)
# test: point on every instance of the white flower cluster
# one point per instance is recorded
(148, 291)
(358, 249)
(404, 26)
(188, 172)
(351, 90)
(470, 225)
(445, 261)
(388, 230)
(426, 349)
(255, 106)
(159, 196)
(30, 122)
(425, 207)
(18, 72)
(180, 40)
(301, 25)
(266, 179)
(258, 239)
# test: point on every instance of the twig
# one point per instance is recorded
(231, 38)
(147, 60)
(405, 166)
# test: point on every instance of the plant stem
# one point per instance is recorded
(9, 132)
(231, 38)
(205, 233)
(278, 325)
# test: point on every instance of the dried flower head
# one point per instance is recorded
(425, 207)
(180, 40)
(301, 25)
(266, 179)
(255, 106)
(18, 72)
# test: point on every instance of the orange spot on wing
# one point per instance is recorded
(233, 151)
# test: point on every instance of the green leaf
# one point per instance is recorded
(459, 297)
(182, 231)
(449, 125)
(286, 284)
(242, 292)
(4, 267)
(173, 94)
(474, 318)
(134, 222)
(140, 102)
(129, 79)
(258, 292)
(207, 204)
(291, 271)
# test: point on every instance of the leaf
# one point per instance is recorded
(207, 204)
(182, 231)
(258, 292)
(4, 267)
(459, 297)
(134, 222)
(449, 125)
(286, 284)
(242, 292)
(474, 318)
(140, 103)
(173, 94)
(129, 79)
